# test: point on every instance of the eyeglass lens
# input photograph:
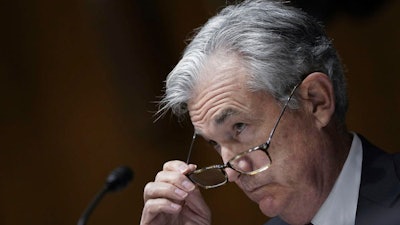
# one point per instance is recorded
(209, 178)
(249, 162)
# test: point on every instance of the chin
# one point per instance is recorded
(269, 206)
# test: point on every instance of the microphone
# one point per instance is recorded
(116, 180)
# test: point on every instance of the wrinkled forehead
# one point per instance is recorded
(221, 86)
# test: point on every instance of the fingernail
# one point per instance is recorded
(194, 167)
(181, 193)
(188, 185)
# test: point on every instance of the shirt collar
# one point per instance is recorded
(341, 205)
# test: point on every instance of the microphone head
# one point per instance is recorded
(119, 178)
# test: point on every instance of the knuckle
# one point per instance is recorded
(173, 165)
(167, 165)
(159, 175)
(149, 191)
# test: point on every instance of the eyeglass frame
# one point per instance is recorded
(263, 147)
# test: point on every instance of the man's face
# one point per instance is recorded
(233, 119)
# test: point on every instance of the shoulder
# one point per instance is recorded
(380, 170)
(379, 196)
(375, 158)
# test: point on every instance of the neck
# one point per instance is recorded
(334, 149)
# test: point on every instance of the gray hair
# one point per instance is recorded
(278, 44)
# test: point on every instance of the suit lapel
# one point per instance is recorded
(380, 187)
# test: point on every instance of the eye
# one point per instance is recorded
(239, 127)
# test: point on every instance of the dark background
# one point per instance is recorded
(78, 81)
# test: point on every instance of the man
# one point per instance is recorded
(264, 86)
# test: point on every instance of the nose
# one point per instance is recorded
(226, 156)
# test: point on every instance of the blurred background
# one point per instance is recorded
(78, 82)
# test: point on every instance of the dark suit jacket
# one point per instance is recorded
(379, 196)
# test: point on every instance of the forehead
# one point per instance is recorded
(221, 92)
(221, 69)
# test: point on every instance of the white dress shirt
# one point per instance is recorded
(341, 205)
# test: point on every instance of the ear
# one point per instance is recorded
(317, 94)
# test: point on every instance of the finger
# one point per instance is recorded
(197, 203)
(154, 209)
(180, 166)
(155, 190)
(175, 178)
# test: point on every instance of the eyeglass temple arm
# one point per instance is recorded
(281, 114)
(190, 148)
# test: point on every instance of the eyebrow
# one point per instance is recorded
(225, 114)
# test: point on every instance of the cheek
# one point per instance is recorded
(294, 146)
(291, 164)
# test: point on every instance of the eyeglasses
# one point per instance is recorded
(249, 162)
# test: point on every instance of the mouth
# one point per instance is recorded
(255, 193)
(254, 189)
(250, 184)
(248, 188)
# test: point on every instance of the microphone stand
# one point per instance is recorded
(88, 211)
(117, 180)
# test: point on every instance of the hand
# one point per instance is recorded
(173, 199)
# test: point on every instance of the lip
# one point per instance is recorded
(250, 189)
(255, 190)
(250, 184)
(255, 193)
